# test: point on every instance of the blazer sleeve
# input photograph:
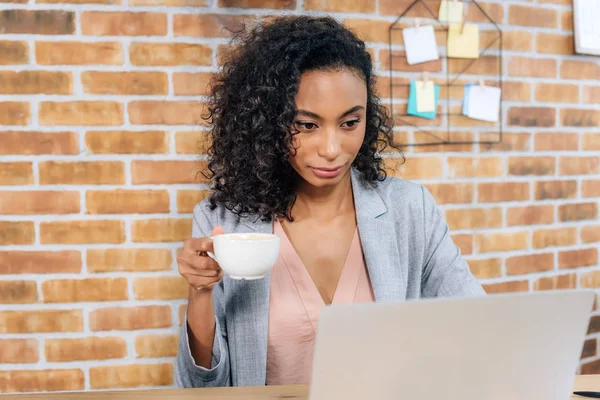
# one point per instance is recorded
(187, 373)
(445, 272)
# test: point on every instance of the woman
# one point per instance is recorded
(296, 135)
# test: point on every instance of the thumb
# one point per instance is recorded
(217, 230)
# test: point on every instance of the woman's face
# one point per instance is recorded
(331, 116)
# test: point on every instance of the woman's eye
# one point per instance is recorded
(307, 126)
(351, 124)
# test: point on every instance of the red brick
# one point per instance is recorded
(14, 113)
(464, 243)
(452, 193)
(580, 117)
(502, 242)
(351, 6)
(192, 142)
(39, 202)
(122, 201)
(579, 165)
(579, 70)
(142, 83)
(514, 40)
(191, 83)
(16, 232)
(510, 142)
(81, 172)
(18, 292)
(592, 367)
(14, 53)
(543, 117)
(503, 191)
(506, 287)
(169, 3)
(461, 167)
(555, 141)
(484, 65)
(590, 233)
(486, 268)
(182, 311)
(187, 199)
(41, 321)
(209, 25)
(39, 262)
(400, 63)
(161, 288)
(158, 172)
(35, 82)
(529, 264)
(495, 11)
(554, 44)
(415, 167)
(89, 348)
(591, 141)
(371, 30)
(157, 112)
(568, 281)
(154, 346)
(532, 67)
(577, 211)
(578, 258)
(530, 215)
(17, 381)
(133, 318)
(82, 232)
(18, 351)
(113, 2)
(273, 4)
(590, 280)
(590, 188)
(476, 218)
(84, 290)
(78, 53)
(532, 16)
(557, 93)
(589, 348)
(170, 54)
(531, 165)
(127, 142)
(115, 260)
(545, 190)
(161, 230)
(81, 113)
(99, 23)
(543, 238)
(566, 20)
(131, 376)
(591, 94)
(37, 22)
(34, 143)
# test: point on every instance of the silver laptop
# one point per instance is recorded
(498, 347)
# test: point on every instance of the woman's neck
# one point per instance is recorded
(323, 203)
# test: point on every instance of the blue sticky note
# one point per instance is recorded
(412, 102)
(465, 106)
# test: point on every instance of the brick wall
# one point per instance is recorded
(100, 104)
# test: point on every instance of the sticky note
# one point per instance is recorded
(451, 11)
(465, 44)
(425, 96)
(484, 103)
(465, 105)
(420, 44)
(412, 102)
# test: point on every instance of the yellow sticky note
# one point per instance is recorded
(451, 11)
(465, 44)
(425, 96)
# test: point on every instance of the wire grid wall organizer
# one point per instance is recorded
(450, 125)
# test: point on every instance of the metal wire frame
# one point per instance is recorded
(442, 141)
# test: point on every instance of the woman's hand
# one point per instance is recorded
(201, 271)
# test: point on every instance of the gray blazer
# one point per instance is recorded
(407, 249)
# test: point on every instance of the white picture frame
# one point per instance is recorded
(586, 27)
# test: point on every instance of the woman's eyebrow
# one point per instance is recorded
(311, 114)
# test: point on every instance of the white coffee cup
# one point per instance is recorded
(246, 255)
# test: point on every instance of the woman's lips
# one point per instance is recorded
(327, 172)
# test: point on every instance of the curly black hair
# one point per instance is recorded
(251, 110)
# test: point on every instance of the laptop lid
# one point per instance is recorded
(498, 347)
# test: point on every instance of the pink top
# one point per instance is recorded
(294, 307)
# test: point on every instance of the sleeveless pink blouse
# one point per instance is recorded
(294, 306)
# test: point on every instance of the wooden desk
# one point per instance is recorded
(582, 382)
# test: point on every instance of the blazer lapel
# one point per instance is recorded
(379, 243)
(248, 308)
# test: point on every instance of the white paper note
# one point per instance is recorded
(484, 103)
(420, 44)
